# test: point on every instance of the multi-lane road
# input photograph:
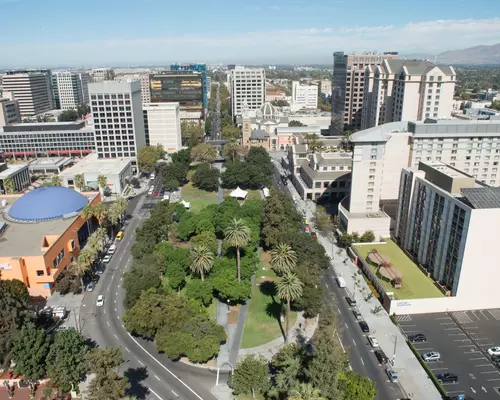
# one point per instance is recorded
(153, 376)
(352, 339)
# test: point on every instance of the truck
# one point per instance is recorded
(340, 281)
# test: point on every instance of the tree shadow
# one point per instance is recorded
(275, 310)
(135, 376)
(268, 288)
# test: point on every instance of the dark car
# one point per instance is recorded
(381, 357)
(350, 301)
(495, 358)
(447, 377)
(314, 235)
(417, 338)
(364, 326)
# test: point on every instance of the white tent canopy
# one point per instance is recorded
(186, 204)
(239, 193)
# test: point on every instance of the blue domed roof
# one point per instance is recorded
(47, 203)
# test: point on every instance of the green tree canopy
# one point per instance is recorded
(107, 384)
(30, 352)
(206, 178)
(147, 158)
(192, 133)
(230, 132)
(203, 153)
(357, 387)
(250, 376)
(201, 291)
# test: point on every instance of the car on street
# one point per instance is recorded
(417, 338)
(431, 356)
(307, 229)
(393, 376)
(495, 358)
(100, 301)
(106, 259)
(350, 301)
(373, 341)
(91, 287)
(364, 326)
(356, 313)
(381, 357)
(119, 236)
(447, 377)
(494, 351)
(314, 235)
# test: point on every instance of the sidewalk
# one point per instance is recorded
(412, 376)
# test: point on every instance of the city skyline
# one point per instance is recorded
(57, 34)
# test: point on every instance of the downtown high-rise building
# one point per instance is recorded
(144, 79)
(70, 89)
(102, 74)
(162, 124)
(407, 90)
(348, 88)
(118, 119)
(201, 68)
(247, 88)
(32, 89)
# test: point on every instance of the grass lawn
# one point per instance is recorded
(262, 324)
(189, 191)
(197, 204)
(252, 194)
(415, 284)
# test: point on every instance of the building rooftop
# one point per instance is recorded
(484, 197)
(258, 135)
(380, 133)
(48, 162)
(93, 164)
(45, 126)
(322, 175)
(11, 170)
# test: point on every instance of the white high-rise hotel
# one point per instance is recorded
(304, 96)
(247, 87)
(118, 120)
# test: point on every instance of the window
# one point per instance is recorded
(40, 273)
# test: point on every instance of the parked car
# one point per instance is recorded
(314, 235)
(447, 377)
(356, 313)
(494, 351)
(393, 376)
(100, 301)
(91, 287)
(106, 259)
(350, 301)
(495, 358)
(364, 326)
(431, 356)
(381, 357)
(417, 338)
(307, 229)
(373, 341)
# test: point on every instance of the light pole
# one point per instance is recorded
(394, 353)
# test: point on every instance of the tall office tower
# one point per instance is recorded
(118, 120)
(102, 74)
(183, 87)
(162, 124)
(55, 92)
(407, 90)
(202, 68)
(9, 110)
(71, 89)
(33, 90)
(247, 88)
(144, 79)
(304, 96)
(348, 88)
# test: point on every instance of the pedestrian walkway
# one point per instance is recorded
(412, 376)
(222, 392)
(302, 331)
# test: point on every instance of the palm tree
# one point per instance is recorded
(283, 259)
(100, 212)
(102, 181)
(56, 180)
(289, 288)
(87, 213)
(8, 185)
(81, 265)
(237, 234)
(305, 391)
(313, 142)
(232, 149)
(121, 205)
(201, 260)
(79, 182)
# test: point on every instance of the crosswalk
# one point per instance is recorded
(403, 318)
(495, 313)
(462, 317)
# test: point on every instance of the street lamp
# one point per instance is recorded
(395, 344)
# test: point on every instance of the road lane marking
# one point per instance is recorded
(490, 372)
(156, 394)
(175, 394)
(140, 362)
(340, 312)
(340, 341)
(346, 326)
(362, 362)
(483, 365)
(108, 323)
(166, 369)
(354, 342)
(115, 336)
(127, 349)
(156, 376)
(496, 379)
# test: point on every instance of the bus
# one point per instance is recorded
(119, 236)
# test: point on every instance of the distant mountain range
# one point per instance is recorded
(477, 55)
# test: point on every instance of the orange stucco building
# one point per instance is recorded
(40, 235)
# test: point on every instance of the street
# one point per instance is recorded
(352, 340)
(152, 375)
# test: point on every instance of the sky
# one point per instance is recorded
(69, 33)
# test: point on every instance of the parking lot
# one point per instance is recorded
(462, 339)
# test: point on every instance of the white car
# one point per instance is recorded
(393, 376)
(373, 341)
(100, 301)
(106, 259)
(432, 356)
(494, 351)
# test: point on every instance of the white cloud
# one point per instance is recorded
(311, 45)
